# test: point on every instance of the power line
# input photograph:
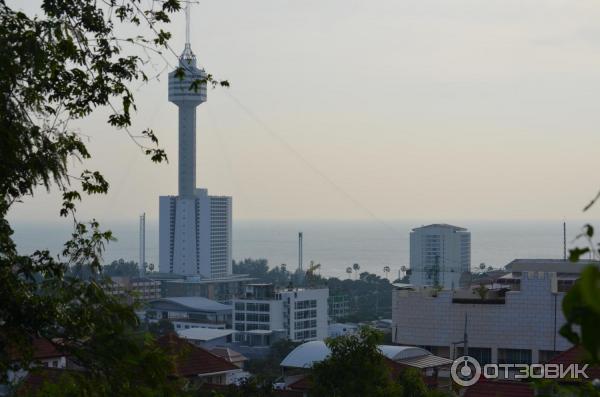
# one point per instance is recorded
(306, 162)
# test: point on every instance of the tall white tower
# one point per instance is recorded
(439, 254)
(194, 228)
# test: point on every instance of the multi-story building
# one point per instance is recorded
(189, 312)
(339, 306)
(195, 235)
(439, 255)
(194, 228)
(514, 320)
(141, 288)
(264, 312)
(221, 289)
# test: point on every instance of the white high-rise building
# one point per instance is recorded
(295, 314)
(439, 254)
(194, 228)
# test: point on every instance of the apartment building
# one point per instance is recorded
(263, 313)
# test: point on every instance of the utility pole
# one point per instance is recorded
(300, 251)
(565, 241)
(142, 263)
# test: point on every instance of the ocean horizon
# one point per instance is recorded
(333, 244)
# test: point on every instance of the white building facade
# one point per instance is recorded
(518, 322)
(298, 314)
(439, 254)
(194, 228)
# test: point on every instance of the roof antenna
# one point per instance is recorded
(187, 23)
(564, 240)
(187, 52)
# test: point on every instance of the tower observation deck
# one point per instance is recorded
(194, 227)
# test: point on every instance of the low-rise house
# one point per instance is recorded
(195, 364)
(234, 357)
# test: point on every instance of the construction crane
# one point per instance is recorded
(310, 272)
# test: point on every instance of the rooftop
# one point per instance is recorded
(305, 355)
(204, 334)
(229, 354)
(441, 225)
(549, 265)
(193, 303)
(190, 360)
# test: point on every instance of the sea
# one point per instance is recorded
(333, 244)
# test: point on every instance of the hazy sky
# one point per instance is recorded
(388, 109)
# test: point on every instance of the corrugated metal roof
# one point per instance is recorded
(426, 361)
(194, 303)
(305, 355)
(204, 334)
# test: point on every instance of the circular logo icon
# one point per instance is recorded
(465, 371)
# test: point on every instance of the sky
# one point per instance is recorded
(413, 109)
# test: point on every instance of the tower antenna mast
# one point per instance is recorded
(187, 23)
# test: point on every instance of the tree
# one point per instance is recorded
(253, 267)
(161, 328)
(268, 368)
(349, 271)
(121, 268)
(355, 367)
(356, 268)
(482, 291)
(55, 68)
(412, 384)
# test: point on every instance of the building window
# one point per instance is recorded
(513, 356)
(239, 327)
(481, 354)
(240, 306)
(240, 317)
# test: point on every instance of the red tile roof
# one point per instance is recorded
(499, 388)
(575, 356)
(301, 384)
(41, 348)
(192, 360)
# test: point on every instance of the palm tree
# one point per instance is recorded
(356, 268)
(386, 270)
(349, 271)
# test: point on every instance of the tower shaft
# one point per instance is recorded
(187, 150)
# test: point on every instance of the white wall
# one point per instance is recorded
(525, 321)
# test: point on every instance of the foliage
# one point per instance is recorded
(412, 384)
(268, 367)
(252, 387)
(370, 296)
(121, 268)
(482, 291)
(355, 367)
(56, 68)
(161, 327)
